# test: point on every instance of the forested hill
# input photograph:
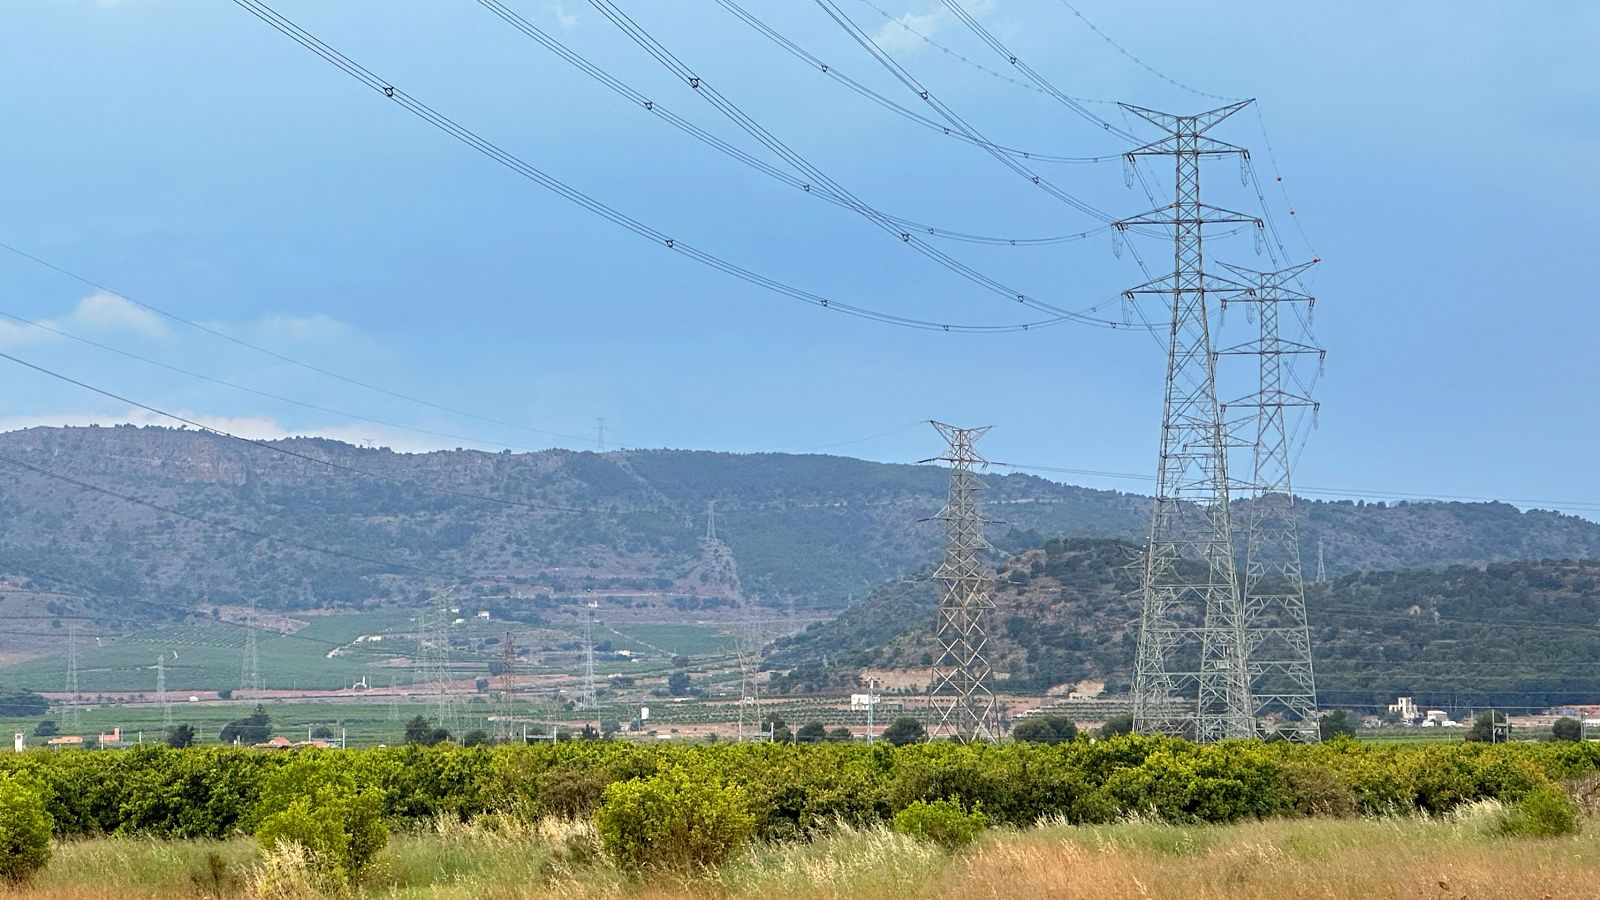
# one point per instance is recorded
(1520, 634)
(808, 530)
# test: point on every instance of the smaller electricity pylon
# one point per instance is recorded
(961, 690)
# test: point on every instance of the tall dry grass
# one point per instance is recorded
(1385, 859)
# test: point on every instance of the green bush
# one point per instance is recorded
(315, 803)
(1045, 730)
(1544, 811)
(944, 822)
(676, 820)
(24, 831)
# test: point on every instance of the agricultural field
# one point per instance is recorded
(1123, 817)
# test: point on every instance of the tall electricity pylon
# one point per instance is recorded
(71, 715)
(435, 646)
(590, 699)
(1322, 565)
(961, 691)
(1190, 677)
(250, 665)
(1277, 638)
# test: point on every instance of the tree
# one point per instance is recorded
(1484, 727)
(780, 730)
(1045, 730)
(24, 830)
(1567, 729)
(17, 704)
(422, 731)
(46, 728)
(322, 733)
(811, 733)
(252, 729)
(678, 684)
(1334, 723)
(475, 737)
(180, 736)
(905, 730)
(1120, 724)
(840, 735)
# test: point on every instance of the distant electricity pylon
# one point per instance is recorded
(1277, 638)
(1190, 676)
(435, 646)
(250, 666)
(961, 691)
(508, 689)
(1322, 565)
(590, 699)
(71, 716)
(161, 690)
(600, 434)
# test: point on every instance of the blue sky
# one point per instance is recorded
(1439, 157)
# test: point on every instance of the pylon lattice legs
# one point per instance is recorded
(961, 680)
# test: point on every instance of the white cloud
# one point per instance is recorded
(107, 312)
(906, 33)
(559, 11)
(256, 428)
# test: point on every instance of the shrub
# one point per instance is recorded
(944, 822)
(1120, 724)
(905, 730)
(1045, 730)
(1544, 811)
(316, 805)
(676, 819)
(1568, 729)
(24, 831)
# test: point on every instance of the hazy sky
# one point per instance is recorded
(1440, 157)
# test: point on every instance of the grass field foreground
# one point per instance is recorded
(1376, 859)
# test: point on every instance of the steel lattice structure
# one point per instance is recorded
(1190, 677)
(1277, 639)
(961, 691)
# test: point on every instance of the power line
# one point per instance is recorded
(639, 99)
(259, 393)
(1141, 63)
(954, 54)
(703, 88)
(328, 463)
(510, 161)
(310, 367)
(1067, 100)
(814, 62)
(237, 529)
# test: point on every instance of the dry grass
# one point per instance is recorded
(1449, 859)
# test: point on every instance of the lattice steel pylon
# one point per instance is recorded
(1277, 638)
(506, 706)
(250, 664)
(961, 690)
(71, 712)
(1190, 677)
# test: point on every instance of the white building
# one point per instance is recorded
(19, 742)
(1406, 709)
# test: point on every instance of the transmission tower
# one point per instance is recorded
(1190, 677)
(961, 691)
(437, 667)
(1277, 638)
(508, 688)
(1322, 566)
(72, 716)
(589, 700)
(711, 521)
(600, 434)
(250, 666)
(161, 690)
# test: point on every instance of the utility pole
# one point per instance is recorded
(1277, 638)
(250, 665)
(72, 716)
(961, 691)
(1190, 677)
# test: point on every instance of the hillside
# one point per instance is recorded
(1521, 634)
(803, 531)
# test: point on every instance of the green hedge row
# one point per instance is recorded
(215, 791)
